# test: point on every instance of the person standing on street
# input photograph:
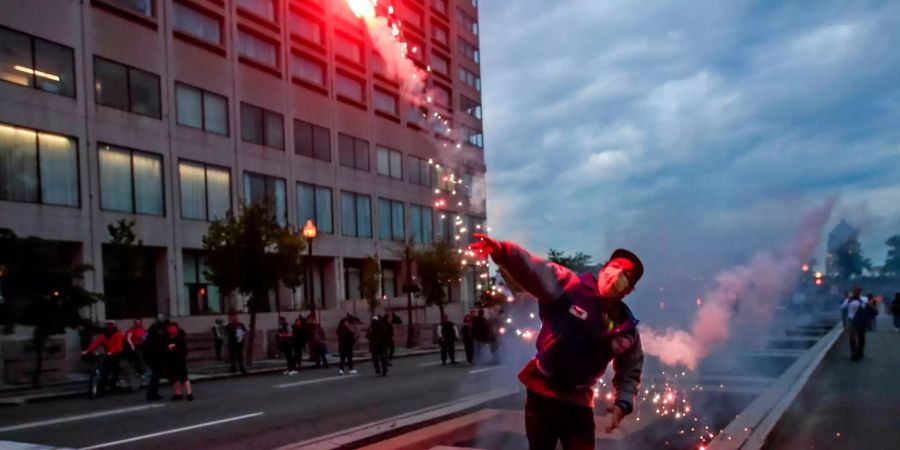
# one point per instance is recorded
(154, 353)
(585, 326)
(283, 339)
(346, 334)
(176, 361)
(468, 343)
(388, 322)
(378, 345)
(236, 333)
(447, 336)
(481, 334)
(895, 311)
(218, 331)
(317, 348)
(857, 322)
(298, 341)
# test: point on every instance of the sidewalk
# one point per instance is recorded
(76, 384)
(848, 405)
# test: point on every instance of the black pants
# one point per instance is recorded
(236, 355)
(288, 352)
(135, 357)
(109, 373)
(319, 355)
(219, 344)
(857, 341)
(346, 354)
(390, 348)
(380, 360)
(548, 421)
(448, 350)
(470, 350)
(298, 353)
(153, 386)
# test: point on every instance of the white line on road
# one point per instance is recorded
(315, 381)
(111, 412)
(176, 430)
(483, 369)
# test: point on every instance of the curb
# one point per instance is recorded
(750, 429)
(82, 391)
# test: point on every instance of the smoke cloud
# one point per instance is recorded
(754, 289)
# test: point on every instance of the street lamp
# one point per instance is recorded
(309, 232)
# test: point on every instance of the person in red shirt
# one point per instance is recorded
(134, 351)
(176, 361)
(112, 340)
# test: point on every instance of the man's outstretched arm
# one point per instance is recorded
(628, 366)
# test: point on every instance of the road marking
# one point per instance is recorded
(172, 431)
(483, 369)
(429, 364)
(316, 381)
(111, 412)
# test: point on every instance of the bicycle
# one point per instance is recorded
(129, 379)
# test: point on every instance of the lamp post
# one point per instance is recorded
(309, 232)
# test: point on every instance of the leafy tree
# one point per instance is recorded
(579, 262)
(125, 271)
(251, 253)
(439, 264)
(292, 264)
(892, 263)
(849, 260)
(371, 281)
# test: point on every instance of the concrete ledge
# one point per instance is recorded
(749, 430)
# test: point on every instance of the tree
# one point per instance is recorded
(849, 260)
(892, 262)
(371, 281)
(292, 264)
(124, 273)
(251, 253)
(579, 262)
(439, 264)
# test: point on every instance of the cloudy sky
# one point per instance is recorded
(695, 133)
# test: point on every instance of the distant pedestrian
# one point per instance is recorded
(283, 340)
(176, 361)
(872, 309)
(843, 309)
(218, 331)
(346, 334)
(895, 311)
(447, 336)
(298, 341)
(387, 322)
(317, 348)
(134, 348)
(236, 334)
(378, 345)
(857, 322)
(468, 342)
(154, 355)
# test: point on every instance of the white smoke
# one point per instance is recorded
(754, 288)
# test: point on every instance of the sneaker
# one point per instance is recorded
(293, 372)
(340, 372)
(286, 372)
(176, 398)
(353, 372)
(190, 397)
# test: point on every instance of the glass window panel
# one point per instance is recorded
(303, 138)
(18, 164)
(189, 105)
(59, 170)
(262, 8)
(413, 170)
(384, 219)
(323, 210)
(145, 93)
(345, 150)
(198, 24)
(143, 7)
(274, 123)
(148, 187)
(364, 216)
(415, 223)
(115, 180)
(353, 284)
(254, 188)
(306, 204)
(54, 68)
(15, 58)
(349, 87)
(361, 148)
(383, 162)
(111, 84)
(348, 214)
(251, 124)
(258, 49)
(279, 197)
(427, 225)
(306, 28)
(385, 102)
(308, 69)
(322, 143)
(398, 221)
(193, 190)
(440, 63)
(397, 165)
(215, 113)
(218, 188)
(348, 48)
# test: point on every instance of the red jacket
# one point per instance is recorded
(112, 344)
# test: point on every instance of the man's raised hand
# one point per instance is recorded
(483, 246)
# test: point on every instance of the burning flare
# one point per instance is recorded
(363, 9)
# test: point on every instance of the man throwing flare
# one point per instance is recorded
(585, 325)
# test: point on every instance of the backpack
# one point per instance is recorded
(864, 314)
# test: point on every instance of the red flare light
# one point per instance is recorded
(362, 9)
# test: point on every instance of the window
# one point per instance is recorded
(352, 281)
(469, 78)
(446, 229)
(474, 3)
(421, 224)
(390, 163)
(349, 88)
(126, 88)
(473, 136)
(391, 220)
(440, 63)
(388, 282)
(380, 68)
(348, 49)
(267, 189)
(440, 6)
(471, 107)
(312, 141)
(131, 181)
(308, 69)
(306, 28)
(261, 126)
(416, 115)
(419, 171)
(411, 16)
(468, 50)
(440, 34)
(353, 152)
(38, 167)
(142, 7)
(257, 49)
(385, 102)
(201, 109)
(205, 191)
(415, 52)
(198, 24)
(466, 20)
(204, 297)
(262, 8)
(356, 215)
(445, 179)
(314, 202)
(34, 62)
(441, 96)
(473, 224)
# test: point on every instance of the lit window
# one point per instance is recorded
(34, 62)
(198, 24)
(130, 181)
(257, 49)
(38, 167)
(421, 224)
(205, 191)
(390, 163)
(204, 297)
(314, 202)
(353, 152)
(349, 88)
(385, 102)
(261, 126)
(308, 69)
(391, 220)
(265, 189)
(201, 109)
(312, 141)
(126, 88)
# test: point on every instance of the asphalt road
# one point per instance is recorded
(264, 411)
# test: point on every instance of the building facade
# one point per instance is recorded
(172, 112)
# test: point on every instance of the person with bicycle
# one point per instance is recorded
(112, 340)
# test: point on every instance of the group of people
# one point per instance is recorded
(163, 347)
(477, 334)
(858, 313)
